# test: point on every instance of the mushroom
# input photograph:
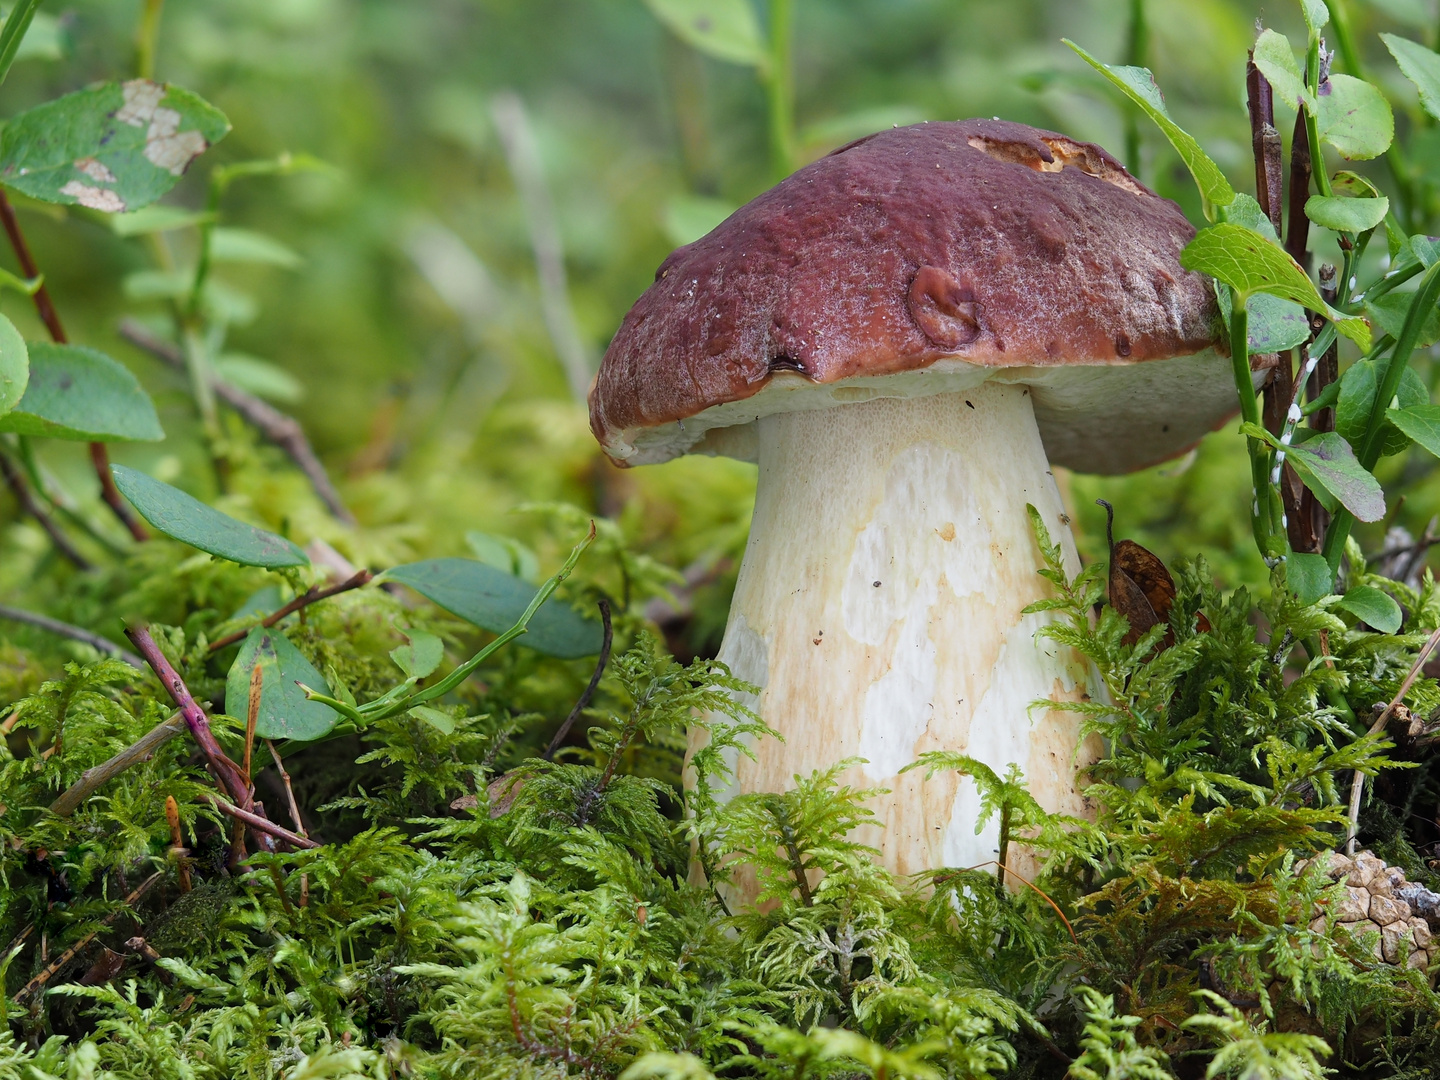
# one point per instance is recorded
(904, 335)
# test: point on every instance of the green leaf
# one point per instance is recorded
(285, 711)
(1389, 310)
(46, 39)
(1249, 263)
(1328, 461)
(1421, 423)
(155, 219)
(1421, 66)
(1277, 63)
(420, 656)
(1308, 576)
(259, 377)
(79, 393)
(1317, 14)
(1355, 118)
(14, 366)
(111, 147)
(494, 600)
(435, 718)
(190, 521)
(248, 246)
(1346, 215)
(1357, 398)
(1138, 85)
(1373, 606)
(725, 29)
(13, 33)
(1272, 324)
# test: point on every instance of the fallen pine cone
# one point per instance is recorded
(1377, 900)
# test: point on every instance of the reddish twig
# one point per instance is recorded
(282, 430)
(309, 596)
(31, 506)
(45, 307)
(225, 771)
(260, 824)
(1265, 143)
(39, 981)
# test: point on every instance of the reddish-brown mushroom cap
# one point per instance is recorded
(954, 249)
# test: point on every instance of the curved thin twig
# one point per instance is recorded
(585, 697)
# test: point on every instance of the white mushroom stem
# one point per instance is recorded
(879, 609)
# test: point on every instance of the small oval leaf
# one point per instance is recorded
(1357, 396)
(1372, 606)
(285, 711)
(14, 366)
(1308, 576)
(494, 601)
(1347, 215)
(725, 29)
(420, 656)
(435, 718)
(111, 147)
(1355, 118)
(187, 519)
(80, 393)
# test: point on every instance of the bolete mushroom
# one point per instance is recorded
(904, 335)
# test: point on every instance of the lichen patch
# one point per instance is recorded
(96, 198)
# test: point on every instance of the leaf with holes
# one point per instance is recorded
(1355, 118)
(285, 711)
(1421, 66)
(79, 393)
(14, 366)
(495, 600)
(1357, 398)
(190, 521)
(1249, 263)
(112, 147)
(724, 29)
(1138, 85)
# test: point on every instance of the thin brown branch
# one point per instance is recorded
(74, 633)
(40, 980)
(312, 595)
(289, 792)
(589, 692)
(225, 771)
(45, 308)
(276, 427)
(1265, 143)
(30, 505)
(93, 778)
(1297, 240)
(1357, 785)
(260, 824)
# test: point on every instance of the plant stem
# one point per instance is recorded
(304, 600)
(1421, 305)
(1137, 40)
(30, 505)
(94, 778)
(1261, 516)
(589, 692)
(145, 38)
(13, 33)
(779, 77)
(45, 308)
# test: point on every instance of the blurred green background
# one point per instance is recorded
(412, 333)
